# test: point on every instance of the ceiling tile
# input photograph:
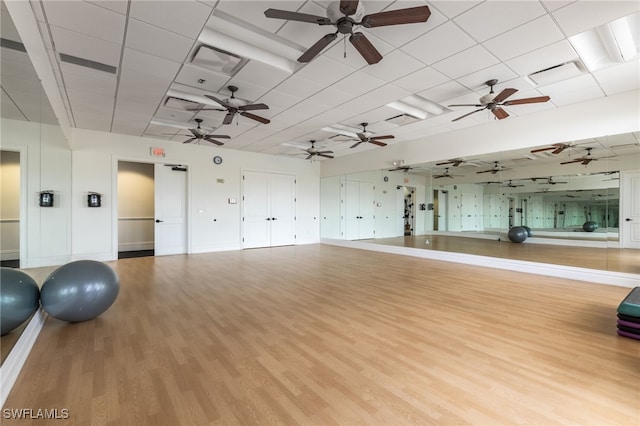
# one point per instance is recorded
(548, 56)
(519, 40)
(619, 78)
(399, 35)
(466, 62)
(451, 9)
(358, 83)
(421, 80)
(259, 72)
(477, 79)
(86, 47)
(96, 21)
(331, 97)
(574, 90)
(555, 4)
(584, 15)
(393, 66)
(119, 6)
(88, 80)
(324, 71)
(280, 100)
(190, 75)
(431, 47)
(158, 42)
(496, 17)
(253, 11)
(184, 17)
(299, 86)
(442, 92)
(144, 63)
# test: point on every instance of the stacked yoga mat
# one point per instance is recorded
(629, 315)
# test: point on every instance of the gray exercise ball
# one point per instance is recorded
(19, 298)
(529, 233)
(589, 226)
(517, 234)
(80, 290)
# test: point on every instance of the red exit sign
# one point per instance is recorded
(157, 152)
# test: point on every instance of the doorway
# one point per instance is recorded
(10, 190)
(440, 206)
(409, 210)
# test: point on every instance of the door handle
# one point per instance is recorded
(158, 220)
(274, 218)
(268, 218)
(628, 219)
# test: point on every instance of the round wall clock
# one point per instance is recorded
(217, 159)
(386, 178)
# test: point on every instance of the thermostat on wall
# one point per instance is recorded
(217, 160)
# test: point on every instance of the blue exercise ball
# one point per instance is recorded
(529, 233)
(80, 290)
(517, 234)
(19, 298)
(589, 226)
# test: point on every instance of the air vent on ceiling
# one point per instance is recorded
(87, 63)
(14, 45)
(218, 60)
(178, 103)
(402, 119)
(556, 73)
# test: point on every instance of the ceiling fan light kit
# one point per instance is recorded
(199, 134)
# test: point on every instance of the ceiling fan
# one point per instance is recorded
(585, 159)
(555, 148)
(445, 174)
(510, 184)
(495, 169)
(347, 14)
(312, 152)
(455, 162)
(199, 134)
(494, 102)
(549, 180)
(234, 106)
(366, 136)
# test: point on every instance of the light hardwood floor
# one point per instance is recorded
(324, 335)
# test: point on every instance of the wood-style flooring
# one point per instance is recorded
(606, 259)
(323, 335)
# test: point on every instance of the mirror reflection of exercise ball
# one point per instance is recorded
(80, 290)
(19, 298)
(529, 233)
(589, 226)
(517, 234)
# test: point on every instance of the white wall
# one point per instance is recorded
(9, 205)
(210, 186)
(45, 231)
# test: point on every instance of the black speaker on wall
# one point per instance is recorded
(46, 199)
(94, 199)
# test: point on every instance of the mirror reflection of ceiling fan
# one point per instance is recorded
(347, 14)
(548, 180)
(199, 134)
(585, 159)
(497, 167)
(555, 148)
(446, 174)
(235, 106)
(494, 103)
(455, 162)
(510, 184)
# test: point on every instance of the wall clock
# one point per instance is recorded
(217, 159)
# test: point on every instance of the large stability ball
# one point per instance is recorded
(517, 234)
(589, 226)
(80, 290)
(19, 298)
(529, 233)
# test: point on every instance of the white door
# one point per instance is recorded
(630, 210)
(170, 209)
(367, 210)
(268, 209)
(283, 209)
(399, 219)
(352, 210)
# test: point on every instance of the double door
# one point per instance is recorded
(269, 217)
(359, 210)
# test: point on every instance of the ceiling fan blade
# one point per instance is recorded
(575, 160)
(255, 117)
(466, 105)
(377, 142)
(468, 114)
(356, 144)
(218, 136)
(349, 7)
(382, 137)
(409, 15)
(366, 49)
(535, 100)
(309, 157)
(324, 155)
(228, 119)
(559, 149)
(220, 101)
(587, 161)
(499, 113)
(252, 107)
(504, 95)
(194, 131)
(205, 109)
(209, 139)
(296, 16)
(313, 51)
(189, 140)
(324, 152)
(549, 148)
(446, 162)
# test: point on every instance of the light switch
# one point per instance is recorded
(233, 201)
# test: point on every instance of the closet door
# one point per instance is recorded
(170, 210)
(256, 218)
(282, 189)
(367, 210)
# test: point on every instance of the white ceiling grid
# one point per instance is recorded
(445, 60)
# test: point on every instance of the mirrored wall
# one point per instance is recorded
(567, 195)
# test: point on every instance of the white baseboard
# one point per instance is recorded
(569, 272)
(10, 254)
(15, 360)
(136, 246)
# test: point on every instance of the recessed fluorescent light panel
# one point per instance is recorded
(181, 104)
(417, 106)
(606, 45)
(554, 74)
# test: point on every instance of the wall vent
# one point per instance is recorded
(218, 60)
(402, 119)
(556, 73)
(14, 45)
(87, 63)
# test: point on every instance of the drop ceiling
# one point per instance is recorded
(168, 55)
